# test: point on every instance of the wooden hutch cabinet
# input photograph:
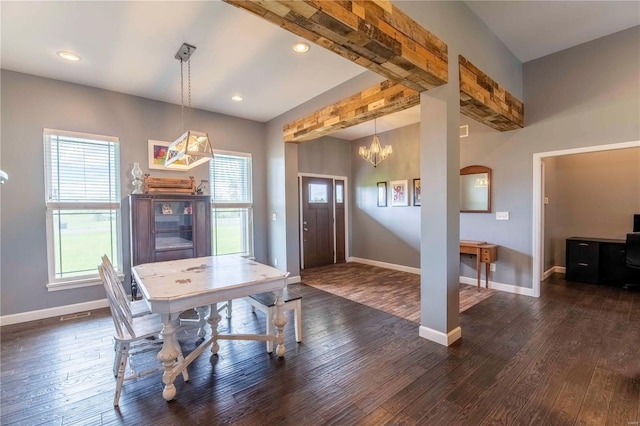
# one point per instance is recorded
(168, 227)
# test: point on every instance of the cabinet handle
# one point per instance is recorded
(583, 264)
(583, 244)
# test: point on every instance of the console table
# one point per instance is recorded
(484, 252)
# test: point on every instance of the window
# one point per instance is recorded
(82, 178)
(232, 203)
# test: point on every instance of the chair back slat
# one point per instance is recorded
(120, 294)
(121, 317)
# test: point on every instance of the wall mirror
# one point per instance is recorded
(475, 189)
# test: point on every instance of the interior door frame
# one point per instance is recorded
(538, 201)
(333, 178)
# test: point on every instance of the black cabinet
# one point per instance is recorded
(595, 260)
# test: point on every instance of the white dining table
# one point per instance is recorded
(172, 287)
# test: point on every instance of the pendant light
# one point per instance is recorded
(192, 148)
(375, 154)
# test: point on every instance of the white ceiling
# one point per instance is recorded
(129, 47)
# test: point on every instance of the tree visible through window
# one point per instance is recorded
(232, 203)
(82, 177)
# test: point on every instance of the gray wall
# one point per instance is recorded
(457, 26)
(30, 104)
(282, 178)
(574, 99)
(596, 195)
(386, 234)
(325, 156)
(584, 96)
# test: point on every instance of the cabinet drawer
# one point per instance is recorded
(162, 256)
(582, 272)
(485, 256)
(582, 251)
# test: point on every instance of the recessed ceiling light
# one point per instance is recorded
(301, 47)
(69, 56)
(237, 98)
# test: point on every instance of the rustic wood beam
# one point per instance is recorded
(484, 100)
(376, 101)
(374, 34)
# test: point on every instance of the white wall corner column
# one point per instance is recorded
(440, 212)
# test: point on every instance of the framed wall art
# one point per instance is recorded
(399, 194)
(158, 154)
(417, 199)
(382, 194)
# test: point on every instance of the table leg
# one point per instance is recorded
(168, 355)
(478, 267)
(214, 320)
(486, 273)
(202, 320)
(279, 321)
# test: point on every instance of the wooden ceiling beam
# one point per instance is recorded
(376, 101)
(484, 100)
(374, 34)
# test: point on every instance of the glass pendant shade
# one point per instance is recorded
(375, 154)
(191, 149)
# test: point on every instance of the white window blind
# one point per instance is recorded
(82, 170)
(232, 203)
(231, 179)
(82, 180)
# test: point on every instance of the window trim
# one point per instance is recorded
(86, 280)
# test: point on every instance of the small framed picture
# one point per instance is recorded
(158, 154)
(382, 194)
(416, 192)
(399, 195)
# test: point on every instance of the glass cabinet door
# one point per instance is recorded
(173, 227)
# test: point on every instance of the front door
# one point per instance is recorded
(317, 221)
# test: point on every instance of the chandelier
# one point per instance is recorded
(192, 148)
(375, 154)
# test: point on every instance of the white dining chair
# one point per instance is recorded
(132, 336)
(136, 307)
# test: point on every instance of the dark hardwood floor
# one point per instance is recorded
(569, 357)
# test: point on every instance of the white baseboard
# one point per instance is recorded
(554, 270)
(293, 280)
(500, 286)
(440, 337)
(386, 265)
(464, 280)
(52, 312)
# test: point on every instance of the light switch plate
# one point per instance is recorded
(502, 215)
(273, 217)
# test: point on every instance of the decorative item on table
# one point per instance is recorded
(192, 148)
(136, 172)
(417, 198)
(382, 194)
(202, 188)
(169, 185)
(166, 209)
(399, 196)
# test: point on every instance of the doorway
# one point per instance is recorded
(323, 220)
(538, 202)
